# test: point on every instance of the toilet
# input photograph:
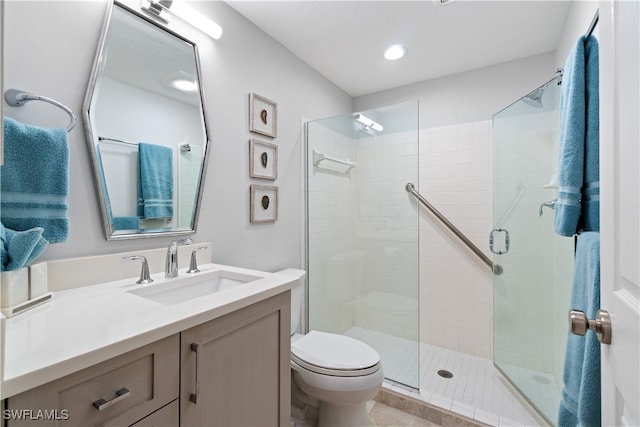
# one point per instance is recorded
(338, 374)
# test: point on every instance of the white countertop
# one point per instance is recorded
(84, 326)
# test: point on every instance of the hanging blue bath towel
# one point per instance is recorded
(580, 404)
(35, 180)
(578, 204)
(155, 181)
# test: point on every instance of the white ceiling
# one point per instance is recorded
(345, 40)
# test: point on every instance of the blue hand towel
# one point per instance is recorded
(155, 181)
(580, 405)
(35, 180)
(19, 249)
(577, 207)
(126, 223)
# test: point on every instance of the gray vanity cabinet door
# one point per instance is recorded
(235, 369)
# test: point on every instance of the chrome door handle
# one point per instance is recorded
(194, 396)
(507, 241)
(121, 394)
(601, 325)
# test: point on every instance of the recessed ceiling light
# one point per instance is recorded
(394, 52)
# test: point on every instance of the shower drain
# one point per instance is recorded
(445, 374)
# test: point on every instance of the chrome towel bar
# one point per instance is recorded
(496, 268)
(17, 98)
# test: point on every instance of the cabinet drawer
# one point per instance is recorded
(119, 391)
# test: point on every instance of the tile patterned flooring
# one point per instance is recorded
(476, 391)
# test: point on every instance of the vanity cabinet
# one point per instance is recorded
(236, 369)
(233, 370)
(117, 392)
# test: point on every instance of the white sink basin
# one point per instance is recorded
(181, 289)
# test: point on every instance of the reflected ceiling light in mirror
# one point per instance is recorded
(394, 52)
(162, 9)
(184, 85)
(367, 122)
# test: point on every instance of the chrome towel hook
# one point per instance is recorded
(17, 98)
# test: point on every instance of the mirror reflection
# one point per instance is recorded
(146, 128)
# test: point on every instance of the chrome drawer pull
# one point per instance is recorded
(196, 349)
(121, 394)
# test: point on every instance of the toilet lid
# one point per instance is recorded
(334, 352)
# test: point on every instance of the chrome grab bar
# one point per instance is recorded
(496, 268)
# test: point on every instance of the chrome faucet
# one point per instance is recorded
(171, 264)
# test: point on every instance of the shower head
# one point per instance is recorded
(534, 98)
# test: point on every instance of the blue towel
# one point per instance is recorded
(155, 181)
(580, 404)
(19, 249)
(35, 180)
(578, 204)
(126, 223)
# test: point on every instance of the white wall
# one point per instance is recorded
(54, 57)
(468, 97)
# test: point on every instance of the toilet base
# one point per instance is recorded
(334, 415)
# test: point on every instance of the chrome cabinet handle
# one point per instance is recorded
(601, 325)
(121, 394)
(507, 241)
(194, 396)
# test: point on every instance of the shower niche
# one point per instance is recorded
(362, 236)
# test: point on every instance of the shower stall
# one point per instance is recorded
(362, 234)
(450, 320)
(531, 297)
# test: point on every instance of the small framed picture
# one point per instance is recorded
(264, 203)
(263, 115)
(263, 160)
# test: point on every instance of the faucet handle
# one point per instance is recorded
(145, 277)
(193, 266)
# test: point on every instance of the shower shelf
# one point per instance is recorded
(319, 157)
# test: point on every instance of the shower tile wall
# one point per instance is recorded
(456, 167)
(363, 234)
(332, 212)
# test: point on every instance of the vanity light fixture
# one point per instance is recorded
(163, 8)
(367, 122)
(394, 52)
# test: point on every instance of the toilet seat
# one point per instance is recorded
(335, 355)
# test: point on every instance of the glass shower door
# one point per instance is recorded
(532, 295)
(363, 234)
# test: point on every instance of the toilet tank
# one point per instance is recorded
(297, 294)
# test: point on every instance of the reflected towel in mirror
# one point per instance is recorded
(155, 181)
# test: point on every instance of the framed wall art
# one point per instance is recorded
(263, 160)
(263, 115)
(264, 203)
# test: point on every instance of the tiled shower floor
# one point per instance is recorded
(476, 390)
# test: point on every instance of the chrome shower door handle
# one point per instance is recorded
(507, 241)
(601, 325)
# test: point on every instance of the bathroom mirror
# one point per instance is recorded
(146, 128)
